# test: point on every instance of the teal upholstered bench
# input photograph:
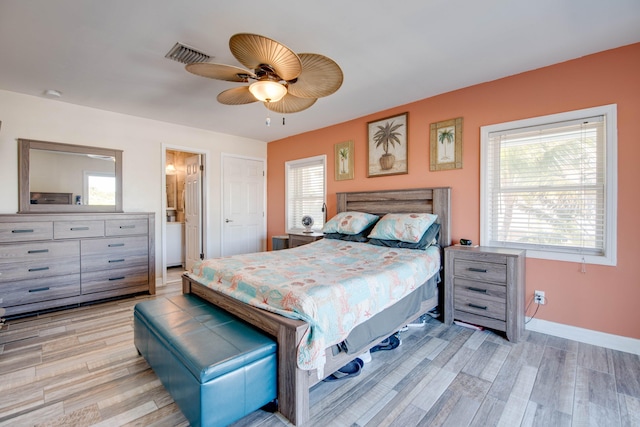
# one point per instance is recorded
(216, 367)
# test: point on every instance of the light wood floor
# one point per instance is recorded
(79, 367)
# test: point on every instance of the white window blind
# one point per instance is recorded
(305, 191)
(545, 188)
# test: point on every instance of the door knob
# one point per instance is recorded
(228, 220)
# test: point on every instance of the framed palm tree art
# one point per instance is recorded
(388, 146)
(343, 152)
(446, 145)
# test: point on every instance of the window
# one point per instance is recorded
(99, 188)
(305, 192)
(549, 185)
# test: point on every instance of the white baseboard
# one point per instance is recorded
(614, 342)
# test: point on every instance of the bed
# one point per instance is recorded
(294, 382)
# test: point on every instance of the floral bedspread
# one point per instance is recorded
(333, 285)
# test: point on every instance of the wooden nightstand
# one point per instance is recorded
(279, 242)
(485, 286)
(299, 239)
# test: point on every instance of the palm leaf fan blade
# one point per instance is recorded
(320, 77)
(290, 104)
(254, 51)
(236, 96)
(219, 71)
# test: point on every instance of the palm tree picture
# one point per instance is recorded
(446, 136)
(388, 145)
(344, 155)
(445, 145)
(344, 168)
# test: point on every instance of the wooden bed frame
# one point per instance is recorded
(294, 383)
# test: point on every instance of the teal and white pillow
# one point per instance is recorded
(403, 227)
(349, 223)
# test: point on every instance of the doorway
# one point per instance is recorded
(183, 213)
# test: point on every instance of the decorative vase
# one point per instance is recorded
(387, 161)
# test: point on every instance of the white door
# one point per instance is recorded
(193, 211)
(243, 206)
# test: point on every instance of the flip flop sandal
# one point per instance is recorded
(350, 370)
(387, 344)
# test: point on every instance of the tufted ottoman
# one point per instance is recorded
(216, 367)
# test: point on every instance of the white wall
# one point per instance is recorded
(141, 140)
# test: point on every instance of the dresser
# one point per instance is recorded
(485, 286)
(299, 239)
(49, 261)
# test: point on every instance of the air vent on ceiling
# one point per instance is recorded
(186, 54)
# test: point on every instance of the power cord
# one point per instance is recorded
(534, 313)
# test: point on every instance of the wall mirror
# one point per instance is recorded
(56, 177)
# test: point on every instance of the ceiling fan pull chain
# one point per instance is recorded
(268, 121)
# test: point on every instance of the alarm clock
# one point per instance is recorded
(307, 221)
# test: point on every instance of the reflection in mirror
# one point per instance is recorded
(67, 178)
(83, 179)
(172, 191)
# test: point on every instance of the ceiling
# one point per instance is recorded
(110, 54)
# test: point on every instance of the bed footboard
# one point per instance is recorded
(293, 383)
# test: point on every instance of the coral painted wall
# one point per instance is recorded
(602, 299)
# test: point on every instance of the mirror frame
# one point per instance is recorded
(24, 196)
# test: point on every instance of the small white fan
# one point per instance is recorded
(307, 221)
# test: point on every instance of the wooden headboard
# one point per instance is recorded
(419, 200)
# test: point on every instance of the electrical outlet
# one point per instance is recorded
(539, 298)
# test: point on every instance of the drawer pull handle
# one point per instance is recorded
(127, 226)
(116, 245)
(479, 307)
(22, 231)
(38, 251)
(116, 260)
(111, 279)
(39, 289)
(478, 270)
(79, 228)
(39, 269)
(471, 288)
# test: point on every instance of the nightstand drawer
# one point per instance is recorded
(480, 290)
(481, 271)
(480, 298)
(296, 239)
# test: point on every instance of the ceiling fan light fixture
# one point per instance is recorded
(268, 90)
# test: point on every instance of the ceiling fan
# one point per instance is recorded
(284, 81)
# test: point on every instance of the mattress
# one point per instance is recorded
(332, 285)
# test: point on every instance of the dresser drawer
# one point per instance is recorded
(480, 271)
(113, 253)
(38, 251)
(11, 232)
(98, 281)
(29, 270)
(484, 299)
(43, 289)
(126, 227)
(77, 229)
